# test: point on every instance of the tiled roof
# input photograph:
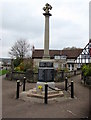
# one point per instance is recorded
(38, 53)
(72, 53)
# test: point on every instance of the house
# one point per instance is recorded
(85, 56)
(5, 62)
(61, 58)
(1, 63)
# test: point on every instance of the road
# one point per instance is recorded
(72, 108)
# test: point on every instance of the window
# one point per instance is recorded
(57, 57)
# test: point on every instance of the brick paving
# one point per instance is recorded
(70, 108)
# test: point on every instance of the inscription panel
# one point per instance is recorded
(41, 75)
(45, 64)
(46, 75)
(50, 75)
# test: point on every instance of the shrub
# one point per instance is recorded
(27, 65)
(17, 62)
(24, 66)
(21, 66)
(86, 69)
(17, 69)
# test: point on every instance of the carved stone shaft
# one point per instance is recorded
(46, 36)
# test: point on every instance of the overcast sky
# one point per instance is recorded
(69, 23)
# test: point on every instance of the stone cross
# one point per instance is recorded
(47, 8)
(46, 36)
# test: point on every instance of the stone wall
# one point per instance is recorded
(33, 77)
(60, 76)
(15, 75)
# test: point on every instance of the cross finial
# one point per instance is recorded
(47, 8)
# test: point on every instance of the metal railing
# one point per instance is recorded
(67, 85)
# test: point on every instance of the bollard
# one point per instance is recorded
(84, 80)
(24, 82)
(46, 92)
(72, 89)
(81, 75)
(17, 92)
(66, 82)
(62, 74)
(74, 72)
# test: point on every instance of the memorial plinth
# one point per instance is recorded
(45, 75)
(46, 72)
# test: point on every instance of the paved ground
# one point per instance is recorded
(72, 108)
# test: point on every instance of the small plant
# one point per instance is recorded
(66, 70)
(40, 87)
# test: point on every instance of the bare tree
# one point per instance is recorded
(20, 49)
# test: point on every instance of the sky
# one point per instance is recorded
(23, 19)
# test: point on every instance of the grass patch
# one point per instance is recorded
(3, 72)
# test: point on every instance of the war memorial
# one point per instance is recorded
(48, 98)
(45, 70)
(45, 87)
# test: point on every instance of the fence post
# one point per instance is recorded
(72, 89)
(66, 82)
(74, 72)
(46, 92)
(24, 82)
(17, 92)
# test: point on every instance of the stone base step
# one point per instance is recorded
(49, 95)
(41, 94)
